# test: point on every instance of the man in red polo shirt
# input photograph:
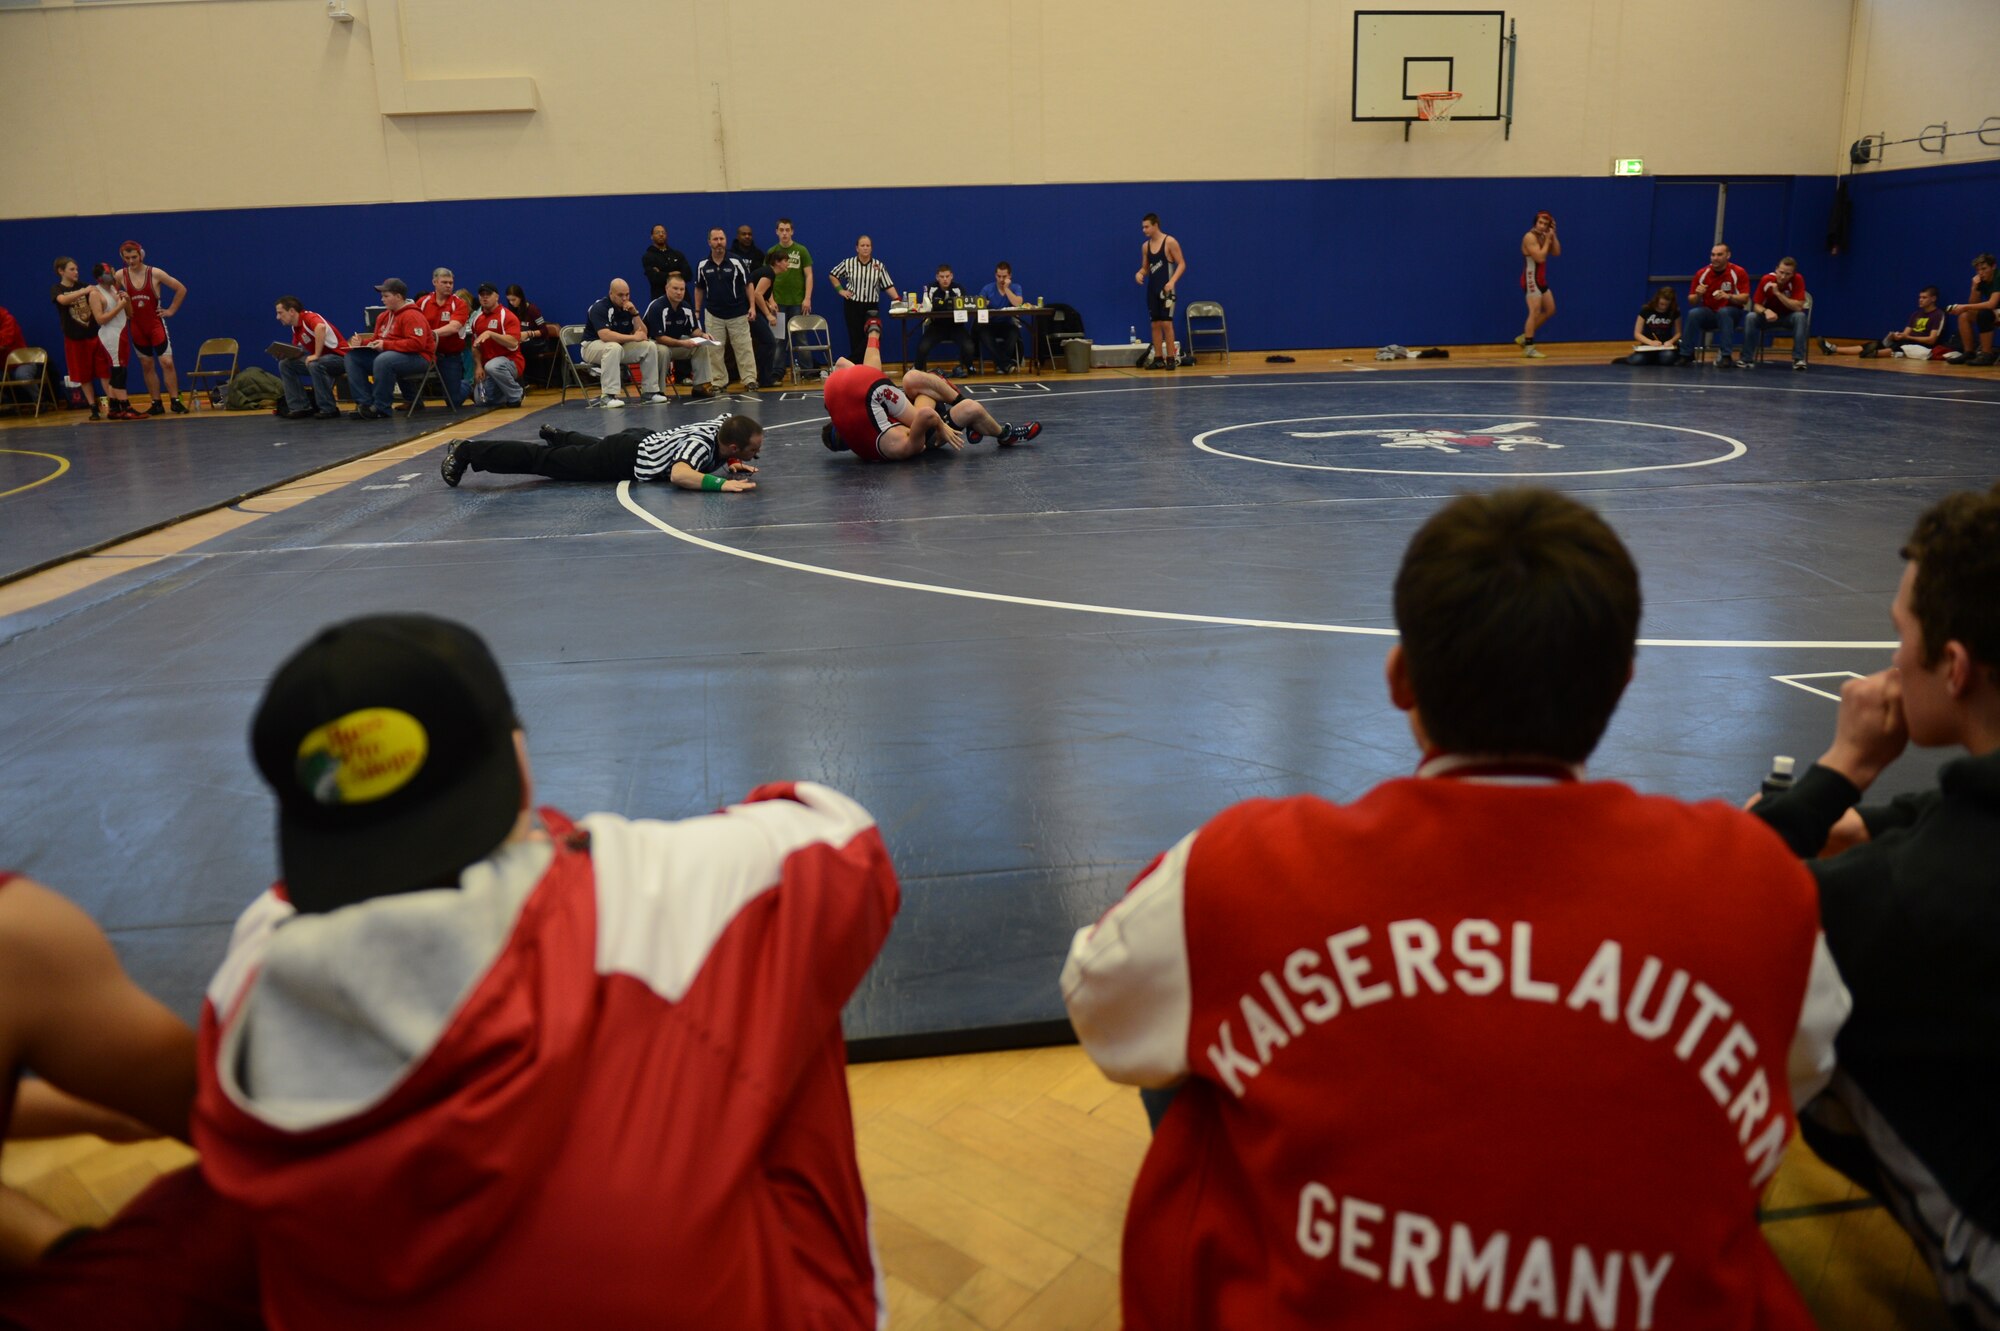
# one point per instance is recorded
(448, 314)
(1777, 308)
(497, 362)
(1716, 298)
(1493, 1039)
(401, 347)
(323, 356)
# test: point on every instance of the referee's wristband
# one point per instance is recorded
(711, 482)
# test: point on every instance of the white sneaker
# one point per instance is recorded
(611, 402)
(651, 398)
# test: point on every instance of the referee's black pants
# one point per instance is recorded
(859, 312)
(569, 457)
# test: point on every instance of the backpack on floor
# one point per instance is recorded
(252, 389)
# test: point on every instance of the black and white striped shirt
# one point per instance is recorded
(693, 444)
(863, 282)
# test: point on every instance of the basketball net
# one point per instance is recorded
(1437, 106)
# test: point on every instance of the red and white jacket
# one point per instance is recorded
(599, 1083)
(314, 334)
(498, 320)
(453, 309)
(1714, 289)
(1465, 1053)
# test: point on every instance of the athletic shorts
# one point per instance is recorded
(864, 404)
(1160, 306)
(163, 347)
(86, 359)
(1982, 320)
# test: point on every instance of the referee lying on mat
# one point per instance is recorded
(690, 456)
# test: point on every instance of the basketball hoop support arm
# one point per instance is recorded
(1513, 49)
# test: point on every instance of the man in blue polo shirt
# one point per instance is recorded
(1000, 336)
(676, 330)
(615, 336)
(722, 297)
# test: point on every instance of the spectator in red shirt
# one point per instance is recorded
(325, 358)
(11, 341)
(497, 362)
(1778, 307)
(447, 314)
(401, 346)
(1715, 296)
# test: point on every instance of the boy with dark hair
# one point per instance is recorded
(703, 455)
(321, 362)
(1920, 338)
(471, 1063)
(1906, 891)
(1493, 1032)
(1976, 316)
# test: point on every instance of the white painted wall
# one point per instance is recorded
(150, 101)
(1916, 63)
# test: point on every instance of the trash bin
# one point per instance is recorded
(1076, 355)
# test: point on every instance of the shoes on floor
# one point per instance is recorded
(1986, 358)
(452, 466)
(330, 414)
(364, 412)
(611, 401)
(1521, 340)
(158, 408)
(703, 392)
(1019, 434)
(1798, 365)
(653, 399)
(1534, 353)
(1187, 359)
(1827, 348)
(179, 407)
(124, 412)
(1725, 362)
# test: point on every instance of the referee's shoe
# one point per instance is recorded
(454, 462)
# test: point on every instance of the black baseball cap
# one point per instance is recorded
(389, 742)
(394, 284)
(488, 289)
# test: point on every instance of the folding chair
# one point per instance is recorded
(1207, 309)
(572, 338)
(413, 398)
(217, 347)
(809, 324)
(1783, 329)
(9, 385)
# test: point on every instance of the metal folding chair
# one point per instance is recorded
(9, 385)
(217, 347)
(1207, 309)
(818, 337)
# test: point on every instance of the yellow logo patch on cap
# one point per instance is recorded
(364, 756)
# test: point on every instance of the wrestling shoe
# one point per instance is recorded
(96, 409)
(1019, 434)
(158, 408)
(454, 462)
(1521, 340)
(548, 434)
(179, 407)
(1534, 353)
(125, 413)
(834, 443)
(1827, 348)
(872, 326)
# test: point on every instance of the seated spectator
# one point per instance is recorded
(1922, 338)
(1906, 894)
(401, 347)
(949, 322)
(541, 341)
(1000, 337)
(676, 329)
(497, 362)
(321, 364)
(448, 313)
(1778, 307)
(1657, 330)
(1715, 296)
(1494, 1031)
(473, 1064)
(614, 335)
(109, 1060)
(12, 340)
(1976, 316)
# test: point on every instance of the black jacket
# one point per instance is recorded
(658, 263)
(1912, 918)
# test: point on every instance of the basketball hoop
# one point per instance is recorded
(1437, 106)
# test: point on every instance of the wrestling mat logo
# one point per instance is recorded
(1508, 438)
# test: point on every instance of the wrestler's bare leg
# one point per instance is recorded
(922, 387)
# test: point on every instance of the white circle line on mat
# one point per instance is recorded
(1229, 621)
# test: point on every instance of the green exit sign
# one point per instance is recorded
(1628, 166)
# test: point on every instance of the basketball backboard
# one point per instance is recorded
(1399, 53)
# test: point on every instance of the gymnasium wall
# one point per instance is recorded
(258, 148)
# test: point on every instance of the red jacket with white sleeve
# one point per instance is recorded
(1714, 289)
(1472, 1051)
(598, 1083)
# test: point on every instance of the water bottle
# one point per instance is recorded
(1132, 334)
(1780, 779)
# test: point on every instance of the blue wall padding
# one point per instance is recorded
(1297, 263)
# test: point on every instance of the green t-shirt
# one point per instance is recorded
(789, 287)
